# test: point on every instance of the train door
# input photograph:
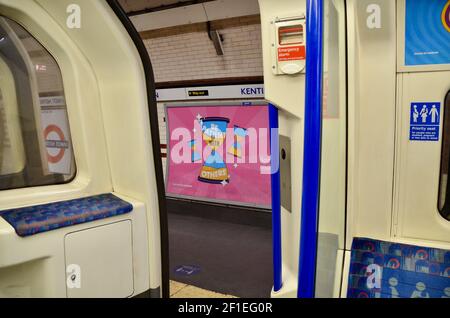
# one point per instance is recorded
(333, 164)
(310, 96)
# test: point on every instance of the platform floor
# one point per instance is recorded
(180, 290)
(220, 249)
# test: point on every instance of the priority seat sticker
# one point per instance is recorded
(425, 121)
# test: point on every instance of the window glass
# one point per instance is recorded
(35, 143)
(444, 190)
(332, 205)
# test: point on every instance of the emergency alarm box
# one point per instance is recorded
(289, 45)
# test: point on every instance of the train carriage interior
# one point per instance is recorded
(224, 149)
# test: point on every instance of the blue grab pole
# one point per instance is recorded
(276, 201)
(312, 149)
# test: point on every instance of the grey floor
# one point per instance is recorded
(228, 249)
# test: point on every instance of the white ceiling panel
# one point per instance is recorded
(168, 18)
(222, 9)
(138, 5)
(207, 11)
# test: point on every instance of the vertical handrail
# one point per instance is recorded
(312, 149)
(276, 198)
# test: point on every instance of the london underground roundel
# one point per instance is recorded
(446, 16)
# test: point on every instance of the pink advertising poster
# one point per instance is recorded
(219, 153)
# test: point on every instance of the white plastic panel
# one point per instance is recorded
(105, 259)
(288, 94)
(371, 118)
(285, 91)
(418, 163)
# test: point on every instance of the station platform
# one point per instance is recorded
(222, 249)
(180, 290)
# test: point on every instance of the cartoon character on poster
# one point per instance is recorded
(214, 169)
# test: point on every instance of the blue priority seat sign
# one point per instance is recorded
(425, 121)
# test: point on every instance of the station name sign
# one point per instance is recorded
(211, 92)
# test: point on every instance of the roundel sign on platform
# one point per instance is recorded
(56, 143)
(56, 135)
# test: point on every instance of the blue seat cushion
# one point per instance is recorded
(42, 218)
(381, 269)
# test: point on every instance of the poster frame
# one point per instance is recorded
(401, 45)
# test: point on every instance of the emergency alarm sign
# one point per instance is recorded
(293, 53)
(289, 45)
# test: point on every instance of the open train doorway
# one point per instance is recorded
(214, 127)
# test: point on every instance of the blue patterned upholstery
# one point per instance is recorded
(41, 218)
(391, 270)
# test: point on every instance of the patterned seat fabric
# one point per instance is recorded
(390, 270)
(42, 218)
